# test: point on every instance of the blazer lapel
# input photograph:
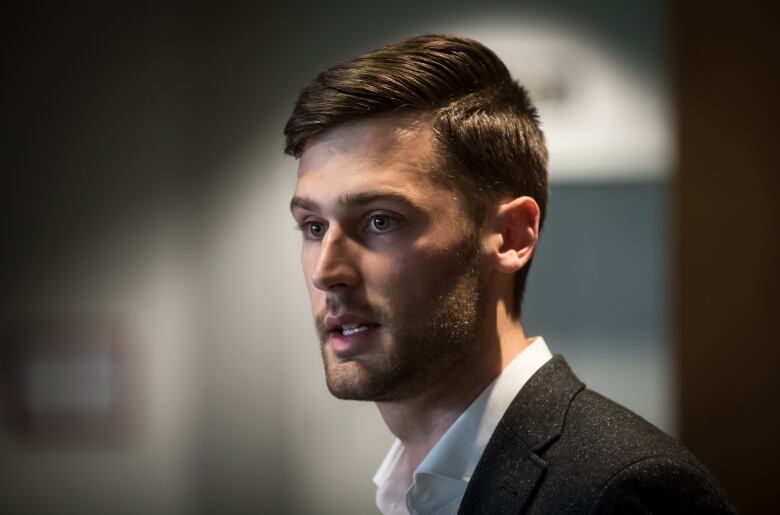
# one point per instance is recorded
(510, 468)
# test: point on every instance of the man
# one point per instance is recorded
(422, 188)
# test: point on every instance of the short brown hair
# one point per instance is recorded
(484, 125)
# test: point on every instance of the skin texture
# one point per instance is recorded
(387, 244)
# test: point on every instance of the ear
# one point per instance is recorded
(515, 233)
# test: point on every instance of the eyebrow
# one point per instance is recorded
(353, 200)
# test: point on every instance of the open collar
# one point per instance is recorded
(510, 466)
(444, 474)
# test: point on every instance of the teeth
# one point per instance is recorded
(348, 329)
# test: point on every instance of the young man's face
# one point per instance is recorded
(392, 265)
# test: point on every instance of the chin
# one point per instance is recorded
(351, 381)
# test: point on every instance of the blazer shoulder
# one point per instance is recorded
(661, 484)
(617, 458)
(616, 429)
(561, 448)
(611, 437)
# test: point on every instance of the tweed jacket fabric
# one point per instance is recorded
(561, 448)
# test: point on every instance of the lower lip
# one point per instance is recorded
(345, 345)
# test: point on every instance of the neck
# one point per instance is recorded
(420, 422)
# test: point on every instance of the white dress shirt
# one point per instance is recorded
(438, 484)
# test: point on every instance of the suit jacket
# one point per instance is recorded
(561, 448)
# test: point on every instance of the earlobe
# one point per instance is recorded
(517, 228)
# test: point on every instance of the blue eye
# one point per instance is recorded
(382, 223)
(314, 230)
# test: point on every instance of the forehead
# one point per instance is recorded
(394, 152)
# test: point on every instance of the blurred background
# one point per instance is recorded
(156, 350)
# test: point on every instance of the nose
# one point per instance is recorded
(335, 269)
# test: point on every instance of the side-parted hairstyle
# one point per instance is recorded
(485, 129)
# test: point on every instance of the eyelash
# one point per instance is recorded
(305, 227)
(391, 219)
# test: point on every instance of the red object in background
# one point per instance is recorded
(66, 380)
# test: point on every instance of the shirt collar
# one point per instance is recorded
(446, 470)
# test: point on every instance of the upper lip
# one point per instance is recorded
(334, 322)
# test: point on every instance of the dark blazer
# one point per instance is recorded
(561, 448)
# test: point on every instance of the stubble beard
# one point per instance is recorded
(436, 334)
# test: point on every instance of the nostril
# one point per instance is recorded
(337, 276)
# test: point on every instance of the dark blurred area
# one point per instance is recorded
(158, 360)
(728, 244)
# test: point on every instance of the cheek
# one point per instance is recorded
(401, 274)
(308, 262)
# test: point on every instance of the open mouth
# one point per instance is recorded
(350, 329)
